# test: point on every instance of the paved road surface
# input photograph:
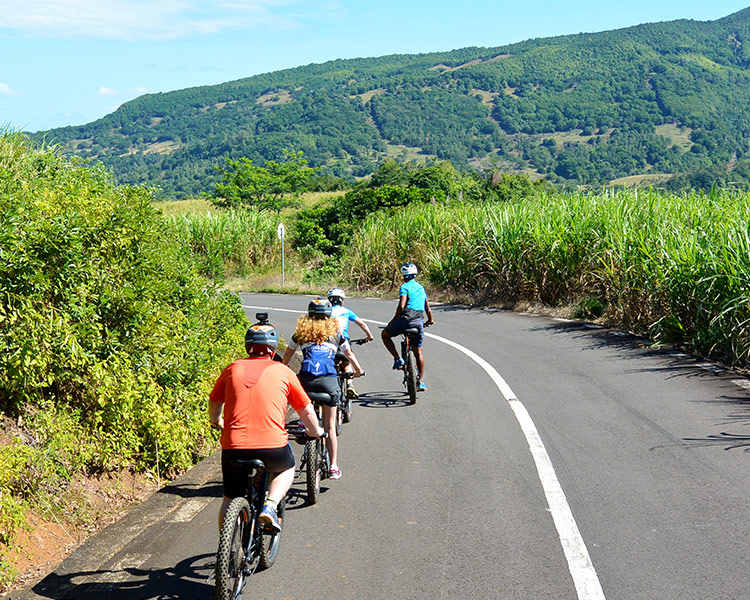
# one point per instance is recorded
(447, 499)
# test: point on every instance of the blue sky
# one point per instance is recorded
(69, 62)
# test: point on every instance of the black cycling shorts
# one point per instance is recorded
(327, 384)
(275, 460)
(401, 324)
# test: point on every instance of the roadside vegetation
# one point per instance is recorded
(116, 315)
(109, 335)
(671, 266)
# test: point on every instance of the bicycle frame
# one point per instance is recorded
(246, 545)
(411, 369)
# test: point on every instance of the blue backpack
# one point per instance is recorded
(318, 360)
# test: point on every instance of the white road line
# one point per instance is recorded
(580, 566)
(579, 562)
(743, 383)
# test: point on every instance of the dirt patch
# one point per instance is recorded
(89, 505)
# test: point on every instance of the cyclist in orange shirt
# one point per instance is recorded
(253, 394)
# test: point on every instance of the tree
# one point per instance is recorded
(273, 187)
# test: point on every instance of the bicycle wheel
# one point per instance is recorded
(412, 376)
(312, 468)
(325, 459)
(271, 540)
(339, 419)
(232, 564)
(346, 410)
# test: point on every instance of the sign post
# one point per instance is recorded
(280, 232)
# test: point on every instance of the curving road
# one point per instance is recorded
(548, 460)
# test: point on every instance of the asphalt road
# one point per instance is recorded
(547, 460)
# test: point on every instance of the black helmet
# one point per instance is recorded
(319, 308)
(261, 335)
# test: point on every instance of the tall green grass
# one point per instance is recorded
(676, 267)
(228, 244)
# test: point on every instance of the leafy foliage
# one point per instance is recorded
(272, 187)
(104, 320)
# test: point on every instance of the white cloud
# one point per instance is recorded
(107, 91)
(141, 19)
(6, 90)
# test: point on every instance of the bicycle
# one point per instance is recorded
(344, 410)
(411, 371)
(315, 462)
(245, 544)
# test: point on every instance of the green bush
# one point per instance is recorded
(109, 337)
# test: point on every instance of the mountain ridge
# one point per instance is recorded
(586, 108)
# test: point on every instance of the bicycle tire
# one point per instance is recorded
(231, 561)
(325, 459)
(270, 541)
(313, 472)
(339, 419)
(347, 410)
(412, 376)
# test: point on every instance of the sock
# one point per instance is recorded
(270, 503)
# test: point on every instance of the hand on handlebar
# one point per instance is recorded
(318, 433)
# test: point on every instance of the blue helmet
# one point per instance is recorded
(261, 335)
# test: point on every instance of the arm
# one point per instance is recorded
(363, 326)
(310, 419)
(287, 356)
(214, 415)
(358, 372)
(400, 308)
(428, 312)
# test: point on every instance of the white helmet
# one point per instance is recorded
(409, 270)
(336, 296)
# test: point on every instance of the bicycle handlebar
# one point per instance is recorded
(299, 432)
(359, 341)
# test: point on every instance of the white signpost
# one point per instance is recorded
(280, 232)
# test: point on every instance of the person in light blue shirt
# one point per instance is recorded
(413, 311)
(344, 316)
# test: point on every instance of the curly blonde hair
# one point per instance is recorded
(315, 330)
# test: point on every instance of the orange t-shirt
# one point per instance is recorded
(255, 393)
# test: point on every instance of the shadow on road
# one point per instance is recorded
(674, 364)
(211, 489)
(191, 578)
(384, 399)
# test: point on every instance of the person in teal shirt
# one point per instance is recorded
(413, 311)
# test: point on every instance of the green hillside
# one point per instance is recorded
(666, 98)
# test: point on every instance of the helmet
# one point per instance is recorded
(409, 270)
(261, 335)
(336, 296)
(319, 308)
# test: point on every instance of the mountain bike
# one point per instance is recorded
(315, 462)
(245, 544)
(344, 411)
(411, 371)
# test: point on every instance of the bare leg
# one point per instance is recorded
(280, 485)
(389, 345)
(329, 424)
(420, 363)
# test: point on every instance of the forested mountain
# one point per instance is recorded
(665, 98)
